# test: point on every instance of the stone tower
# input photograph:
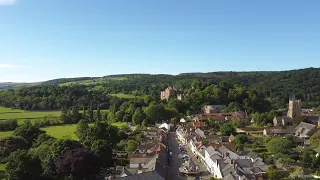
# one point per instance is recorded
(294, 109)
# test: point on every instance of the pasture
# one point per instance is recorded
(21, 115)
(59, 132)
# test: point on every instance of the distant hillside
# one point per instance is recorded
(276, 85)
(7, 85)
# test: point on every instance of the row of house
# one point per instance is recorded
(220, 157)
(149, 160)
(303, 130)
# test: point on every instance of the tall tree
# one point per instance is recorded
(227, 129)
(131, 146)
(84, 113)
(28, 132)
(90, 114)
(21, 165)
(278, 145)
(82, 130)
(75, 115)
(241, 139)
(80, 163)
(315, 139)
(138, 116)
(99, 117)
(103, 152)
(11, 144)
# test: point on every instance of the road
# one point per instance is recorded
(177, 162)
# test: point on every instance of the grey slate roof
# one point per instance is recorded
(144, 176)
(305, 129)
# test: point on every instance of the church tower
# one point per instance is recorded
(294, 109)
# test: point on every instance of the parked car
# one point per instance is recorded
(198, 178)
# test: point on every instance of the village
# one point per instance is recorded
(206, 146)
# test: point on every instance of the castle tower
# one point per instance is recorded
(294, 109)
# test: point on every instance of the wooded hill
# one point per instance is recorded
(277, 86)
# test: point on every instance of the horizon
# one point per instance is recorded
(53, 39)
(158, 74)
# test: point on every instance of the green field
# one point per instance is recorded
(59, 132)
(125, 96)
(2, 171)
(5, 134)
(21, 115)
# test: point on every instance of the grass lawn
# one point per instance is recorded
(59, 132)
(2, 171)
(125, 96)
(118, 124)
(5, 134)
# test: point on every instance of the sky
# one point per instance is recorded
(48, 39)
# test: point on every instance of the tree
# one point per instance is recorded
(62, 145)
(227, 129)
(307, 160)
(43, 139)
(131, 146)
(11, 144)
(237, 123)
(99, 117)
(297, 120)
(241, 139)
(21, 165)
(84, 113)
(155, 113)
(82, 130)
(273, 174)
(119, 116)
(28, 132)
(102, 131)
(76, 116)
(278, 145)
(80, 163)
(103, 152)
(315, 139)
(64, 117)
(138, 116)
(90, 114)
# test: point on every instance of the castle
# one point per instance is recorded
(294, 109)
(171, 92)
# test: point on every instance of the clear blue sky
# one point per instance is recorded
(47, 39)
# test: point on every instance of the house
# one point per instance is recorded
(231, 138)
(305, 130)
(276, 131)
(165, 126)
(220, 116)
(189, 167)
(155, 169)
(213, 108)
(183, 120)
(200, 133)
(226, 164)
(252, 156)
(139, 162)
(314, 119)
(282, 121)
